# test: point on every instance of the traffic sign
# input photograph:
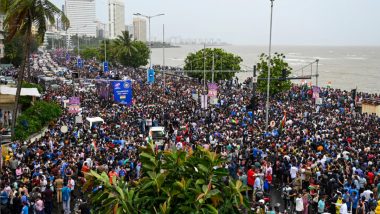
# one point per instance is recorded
(254, 79)
(105, 66)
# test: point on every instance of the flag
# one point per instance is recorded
(283, 121)
(67, 57)
(93, 145)
(329, 84)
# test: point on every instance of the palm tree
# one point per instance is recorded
(123, 45)
(20, 16)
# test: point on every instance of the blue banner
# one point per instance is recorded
(150, 76)
(80, 63)
(122, 92)
(105, 66)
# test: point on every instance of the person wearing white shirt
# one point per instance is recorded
(257, 184)
(367, 194)
(343, 208)
(293, 172)
(299, 204)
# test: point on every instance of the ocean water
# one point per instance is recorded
(343, 67)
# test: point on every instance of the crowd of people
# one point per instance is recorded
(317, 158)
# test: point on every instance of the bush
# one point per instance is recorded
(35, 118)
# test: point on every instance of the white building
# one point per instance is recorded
(82, 15)
(139, 29)
(116, 18)
(101, 30)
(130, 30)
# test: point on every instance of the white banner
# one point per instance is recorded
(204, 102)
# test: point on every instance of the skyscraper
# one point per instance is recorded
(81, 14)
(139, 28)
(116, 17)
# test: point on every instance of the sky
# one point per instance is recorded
(246, 22)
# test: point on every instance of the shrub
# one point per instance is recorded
(35, 118)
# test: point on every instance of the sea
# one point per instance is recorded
(340, 67)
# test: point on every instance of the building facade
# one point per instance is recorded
(116, 18)
(130, 30)
(139, 29)
(101, 30)
(82, 16)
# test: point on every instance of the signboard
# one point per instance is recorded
(212, 89)
(150, 77)
(78, 119)
(122, 92)
(80, 63)
(254, 79)
(65, 103)
(204, 101)
(103, 89)
(74, 100)
(316, 91)
(105, 66)
(73, 109)
(318, 101)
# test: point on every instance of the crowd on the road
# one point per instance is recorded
(320, 158)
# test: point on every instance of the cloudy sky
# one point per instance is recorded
(295, 22)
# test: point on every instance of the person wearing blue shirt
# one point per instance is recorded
(355, 200)
(4, 197)
(25, 208)
(321, 205)
(66, 198)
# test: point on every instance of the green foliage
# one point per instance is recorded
(139, 55)
(172, 182)
(222, 61)
(277, 65)
(35, 118)
(127, 52)
(110, 57)
(89, 53)
(13, 54)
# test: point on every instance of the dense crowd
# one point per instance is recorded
(320, 158)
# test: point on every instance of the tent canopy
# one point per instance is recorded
(24, 91)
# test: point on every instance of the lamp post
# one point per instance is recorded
(150, 43)
(269, 64)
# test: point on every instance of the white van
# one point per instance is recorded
(158, 135)
(90, 121)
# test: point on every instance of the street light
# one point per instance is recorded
(269, 61)
(150, 44)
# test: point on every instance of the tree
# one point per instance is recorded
(278, 65)
(20, 16)
(222, 61)
(123, 46)
(89, 53)
(13, 54)
(173, 181)
(108, 48)
(139, 55)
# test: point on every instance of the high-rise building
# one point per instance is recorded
(116, 17)
(101, 30)
(82, 15)
(139, 29)
(129, 28)
(1, 36)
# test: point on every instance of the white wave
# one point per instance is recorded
(356, 58)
